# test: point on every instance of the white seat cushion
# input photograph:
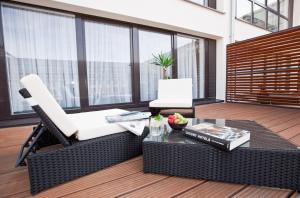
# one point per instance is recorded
(41, 95)
(93, 124)
(183, 103)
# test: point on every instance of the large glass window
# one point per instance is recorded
(200, 2)
(284, 7)
(259, 16)
(272, 22)
(283, 23)
(41, 42)
(272, 15)
(244, 10)
(190, 61)
(151, 43)
(273, 4)
(108, 63)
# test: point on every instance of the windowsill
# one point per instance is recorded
(206, 7)
(252, 25)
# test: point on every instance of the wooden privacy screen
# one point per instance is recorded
(265, 69)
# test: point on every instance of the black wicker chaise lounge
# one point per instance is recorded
(88, 142)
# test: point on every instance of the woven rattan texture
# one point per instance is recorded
(47, 169)
(274, 164)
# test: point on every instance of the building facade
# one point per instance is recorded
(99, 54)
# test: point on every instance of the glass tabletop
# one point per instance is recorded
(260, 137)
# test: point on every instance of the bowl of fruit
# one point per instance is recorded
(177, 121)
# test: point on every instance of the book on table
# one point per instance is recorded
(223, 137)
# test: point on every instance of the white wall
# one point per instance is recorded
(245, 31)
(176, 15)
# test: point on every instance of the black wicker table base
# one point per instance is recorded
(267, 160)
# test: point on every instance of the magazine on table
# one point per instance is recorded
(133, 121)
(136, 127)
(223, 137)
(128, 116)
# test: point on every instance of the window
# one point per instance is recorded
(284, 7)
(109, 66)
(259, 16)
(201, 2)
(151, 43)
(244, 10)
(91, 63)
(190, 61)
(41, 42)
(272, 15)
(283, 24)
(272, 22)
(261, 1)
(273, 4)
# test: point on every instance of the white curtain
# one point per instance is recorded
(150, 44)
(190, 60)
(108, 63)
(41, 42)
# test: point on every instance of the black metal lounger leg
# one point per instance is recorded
(30, 143)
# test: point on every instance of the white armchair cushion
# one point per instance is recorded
(93, 124)
(47, 102)
(175, 89)
(184, 103)
(174, 93)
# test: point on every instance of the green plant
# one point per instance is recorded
(158, 117)
(164, 61)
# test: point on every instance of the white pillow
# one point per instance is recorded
(49, 105)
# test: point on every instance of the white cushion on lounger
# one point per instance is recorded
(171, 103)
(47, 102)
(93, 124)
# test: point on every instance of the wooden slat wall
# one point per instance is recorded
(265, 69)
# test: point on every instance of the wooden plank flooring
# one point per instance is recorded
(128, 180)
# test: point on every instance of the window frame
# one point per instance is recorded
(268, 9)
(210, 61)
(207, 3)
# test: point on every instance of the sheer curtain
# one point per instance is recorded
(108, 63)
(41, 42)
(151, 43)
(190, 60)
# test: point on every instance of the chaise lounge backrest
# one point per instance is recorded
(41, 96)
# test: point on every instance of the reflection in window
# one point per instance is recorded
(151, 43)
(264, 14)
(244, 10)
(260, 1)
(44, 43)
(272, 22)
(284, 7)
(190, 60)
(201, 2)
(108, 63)
(273, 4)
(259, 16)
(283, 24)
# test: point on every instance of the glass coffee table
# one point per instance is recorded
(266, 160)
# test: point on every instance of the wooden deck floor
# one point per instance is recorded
(128, 180)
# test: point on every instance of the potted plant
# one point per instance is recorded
(164, 61)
